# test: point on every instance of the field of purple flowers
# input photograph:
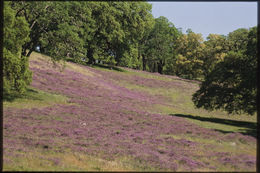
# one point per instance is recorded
(139, 121)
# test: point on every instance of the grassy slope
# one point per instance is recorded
(178, 103)
(181, 104)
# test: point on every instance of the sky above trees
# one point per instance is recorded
(210, 17)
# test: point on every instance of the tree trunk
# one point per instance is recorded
(31, 45)
(154, 67)
(29, 53)
(24, 48)
(159, 68)
(117, 59)
(144, 63)
(90, 56)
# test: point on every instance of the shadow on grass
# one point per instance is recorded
(28, 93)
(249, 132)
(110, 67)
(250, 126)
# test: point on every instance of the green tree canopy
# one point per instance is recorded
(53, 26)
(189, 61)
(216, 47)
(118, 27)
(16, 74)
(238, 39)
(159, 44)
(231, 85)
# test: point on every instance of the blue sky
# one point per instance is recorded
(208, 17)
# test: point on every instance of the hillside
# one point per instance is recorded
(93, 118)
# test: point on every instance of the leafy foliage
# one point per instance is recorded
(231, 85)
(158, 45)
(214, 52)
(188, 62)
(237, 40)
(16, 74)
(118, 28)
(52, 27)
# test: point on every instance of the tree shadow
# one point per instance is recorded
(10, 97)
(110, 67)
(250, 126)
(249, 132)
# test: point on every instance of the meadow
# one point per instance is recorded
(98, 119)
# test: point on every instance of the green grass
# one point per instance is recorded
(181, 104)
(151, 76)
(235, 147)
(34, 98)
(49, 160)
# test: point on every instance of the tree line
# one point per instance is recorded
(126, 34)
